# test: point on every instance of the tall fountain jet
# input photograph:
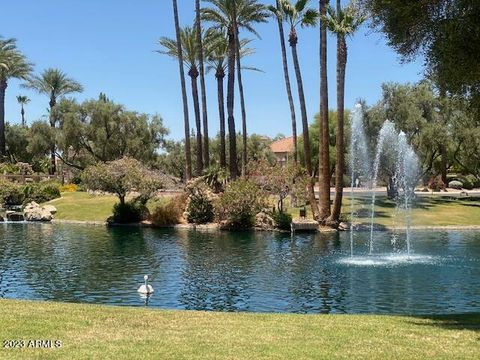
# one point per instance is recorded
(359, 161)
(393, 153)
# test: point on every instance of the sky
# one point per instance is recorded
(109, 46)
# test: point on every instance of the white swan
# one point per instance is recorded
(145, 288)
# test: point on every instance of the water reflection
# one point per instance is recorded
(306, 273)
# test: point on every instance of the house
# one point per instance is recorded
(282, 149)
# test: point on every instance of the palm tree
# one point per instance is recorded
(228, 15)
(217, 45)
(198, 26)
(343, 23)
(324, 150)
(13, 65)
(295, 15)
(23, 100)
(188, 39)
(277, 12)
(186, 121)
(55, 84)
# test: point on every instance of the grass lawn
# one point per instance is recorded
(105, 332)
(83, 206)
(427, 211)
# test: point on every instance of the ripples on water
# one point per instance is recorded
(265, 272)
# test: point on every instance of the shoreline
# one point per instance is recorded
(216, 227)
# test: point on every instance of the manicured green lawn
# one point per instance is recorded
(105, 332)
(427, 211)
(83, 206)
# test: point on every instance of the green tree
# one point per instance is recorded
(230, 16)
(342, 22)
(295, 15)
(190, 50)
(23, 100)
(446, 33)
(101, 131)
(124, 175)
(17, 143)
(55, 84)
(186, 121)
(14, 65)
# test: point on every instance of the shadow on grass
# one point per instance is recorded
(450, 322)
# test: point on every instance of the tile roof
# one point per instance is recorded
(283, 145)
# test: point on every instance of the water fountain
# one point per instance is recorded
(392, 151)
(359, 161)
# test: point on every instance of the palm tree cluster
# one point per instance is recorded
(221, 47)
(52, 83)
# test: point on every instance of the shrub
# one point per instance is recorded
(68, 188)
(455, 184)
(436, 184)
(283, 220)
(240, 203)
(11, 193)
(200, 209)
(129, 212)
(41, 192)
(467, 183)
(169, 213)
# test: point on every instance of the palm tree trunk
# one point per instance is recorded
(288, 88)
(221, 112)
(53, 163)
(340, 139)
(306, 137)
(22, 112)
(240, 88)
(444, 163)
(206, 153)
(196, 105)
(3, 89)
(232, 139)
(188, 156)
(324, 155)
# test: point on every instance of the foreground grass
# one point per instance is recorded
(104, 332)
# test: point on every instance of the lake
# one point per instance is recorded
(244, 271)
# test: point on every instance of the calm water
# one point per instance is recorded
(241, 271)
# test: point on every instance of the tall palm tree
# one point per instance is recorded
(217, 45)
(343, 23)
(324, 150)
(186, 121)
(277, 12)
(23, 100)
(55, 84)
(200, 45)
(13, 65)
(298, 14)
(240, 89)
(228, 15)
(188, 39)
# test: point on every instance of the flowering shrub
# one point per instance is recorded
(241, 201)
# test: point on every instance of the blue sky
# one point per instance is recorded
(109, 46)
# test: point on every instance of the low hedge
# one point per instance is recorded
(18, 194)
